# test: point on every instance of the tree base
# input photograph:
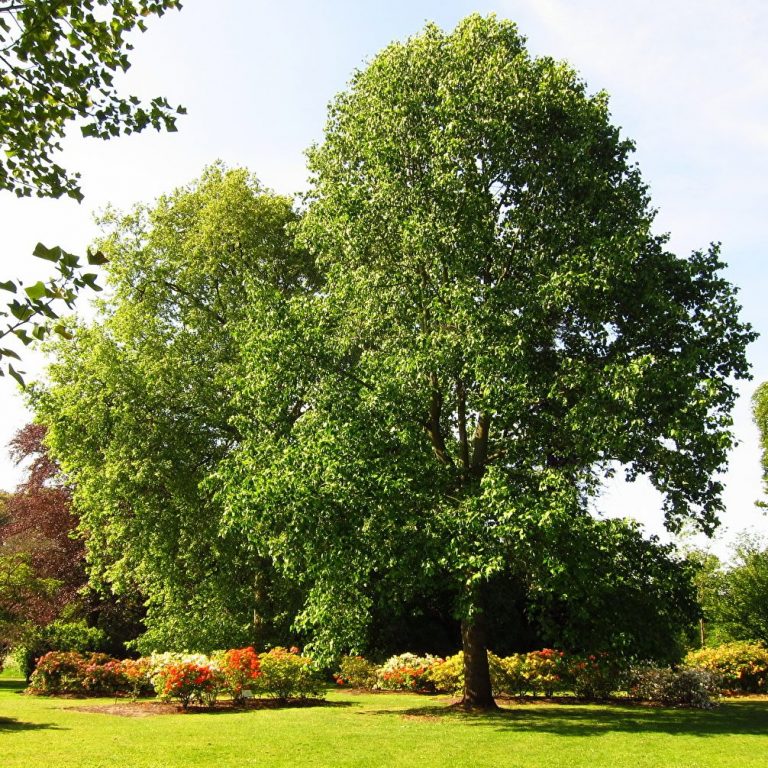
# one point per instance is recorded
(468, 705)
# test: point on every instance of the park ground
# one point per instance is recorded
(370, 730)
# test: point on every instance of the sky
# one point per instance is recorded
(688, 81)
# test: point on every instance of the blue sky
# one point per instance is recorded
(688, 82)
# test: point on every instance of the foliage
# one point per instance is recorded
(691, 687)
(35, 312)
(188, 682)
(38, 515)
(59, 635)
(734, 595)
(597, 676)
(709, 575)
(406, 672)
(496, 328)
(286, 674)
(137, 674)
(545, 670)
(741, 666)
(19, 585)
(605, 587)
(61, 672)
(239, 668)
(357, 672)
(140, 410)
(743, 605)
(515, 676)
(58, 66)
(760, 414)
(447, 675)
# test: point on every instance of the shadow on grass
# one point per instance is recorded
(152, 707)
(735, 717)
(12, 686)
(11, 724)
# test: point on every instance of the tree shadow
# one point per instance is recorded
(12, 686)
(11, 724)
(735, 717)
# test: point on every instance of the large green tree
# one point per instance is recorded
(498, 328)
(59, 60)
(139, 406)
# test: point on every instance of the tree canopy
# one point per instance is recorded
(140, 403)
(498, 328)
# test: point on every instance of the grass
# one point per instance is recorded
(370, 730)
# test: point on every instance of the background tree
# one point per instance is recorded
(139, 408)
(760, 413)
(39, 512)
(58, 64)
(613, 590)
(497, 327)
(742, 606)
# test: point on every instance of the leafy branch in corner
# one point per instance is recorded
(34, 312)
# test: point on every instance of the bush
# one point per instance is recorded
(688, 686)
(513, 675)
(407, 672)
(447, 675)
(59, 635)
(188, 682)
(741, 666)
(137, 674)
(597, 676)
(75, 673)
(286, 674)
(357, 672)
(546, 671)
(239, 668)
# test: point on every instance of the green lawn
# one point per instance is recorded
(381, 730)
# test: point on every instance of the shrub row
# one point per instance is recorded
(186, 678)
(547, 672)
(743, 667)
(540, 672)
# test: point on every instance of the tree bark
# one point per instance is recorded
(478, 693)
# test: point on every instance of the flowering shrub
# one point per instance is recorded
(597, 676)
(239, 669)
(545, 670)
(742, 666)
(188, 682)
(691, 687)
(71, 672)
(357, 672)
(136, 673)
(513, 675)
(406, 672)
(286, 674)
(447, 675)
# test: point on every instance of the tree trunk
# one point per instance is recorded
(477, 677)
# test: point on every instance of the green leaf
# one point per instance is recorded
(16, 375)
(8, 285)
(97, 258)
(37, 291)
(49, 254)
(63, 331)
(89, 279)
